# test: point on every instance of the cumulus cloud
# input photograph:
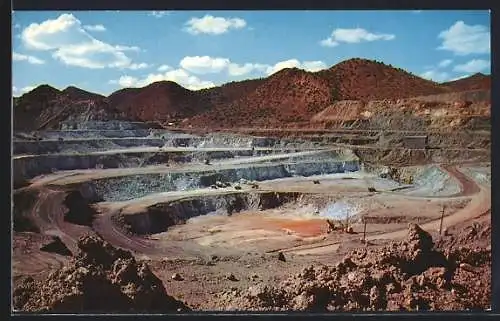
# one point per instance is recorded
(294, 63)
(355, 35)
(213, 25)
(70, 43)
(159, 14)
(435, 75)
(235, 69)
(164, 68)
(473, 66)
(95, 28)
(207, 64)
(445, 63)
(20, 91)
(30, 59)
(180, 76)
(463, 39)
(204, 64)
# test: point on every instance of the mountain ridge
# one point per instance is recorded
(287, 96)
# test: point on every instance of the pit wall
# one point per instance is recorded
(428, 180)
(32, 166)
(89, 145)
(481, 174)
(134, 186)
(160, 217)
(81, 146)
(98, 134)
(399, 158)
(103, 125)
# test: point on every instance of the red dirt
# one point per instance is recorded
(406, 276)
(363, 79)
(100, 278)
(305, 228)
(164, 100)
(476, 81)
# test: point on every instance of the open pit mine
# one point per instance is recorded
(222, 217)
(375, 206)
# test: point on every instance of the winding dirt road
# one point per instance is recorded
(479, 205)
(49, 212)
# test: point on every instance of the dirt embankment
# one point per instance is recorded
(409, 157)
(444, 111)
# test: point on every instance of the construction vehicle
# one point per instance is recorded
(341, 227)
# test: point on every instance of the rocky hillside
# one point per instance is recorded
(294, 95)
(474, 82)
(45, 107)
(163, 100)
(290, 96)
(362, 79)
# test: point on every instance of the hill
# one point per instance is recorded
(475, 82)
(294, 95)
(45, 107)
(289, 96)
(163, 101)
(362, 79)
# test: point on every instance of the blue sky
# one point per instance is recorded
(103, 51)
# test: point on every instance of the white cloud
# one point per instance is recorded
(435, 75)
(179, 76)
(328, 42)
(20, 91)
(204, 64)
(356, 35)
(313, 65)
(164, 68)
(159, 14)
(294, 63)
(416, 11)
(95, 28)
(473, 66)
(463, 39)
(244, 69)
(17, 26)
(30, 59)
(207, 64)
(213, 25)
(141, 65)
(71, 44)
(458, 78)
(445, 63)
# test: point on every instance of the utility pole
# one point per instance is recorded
(441, 223)
(364, 230)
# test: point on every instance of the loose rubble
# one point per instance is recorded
(100, 278)
(412, 275)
